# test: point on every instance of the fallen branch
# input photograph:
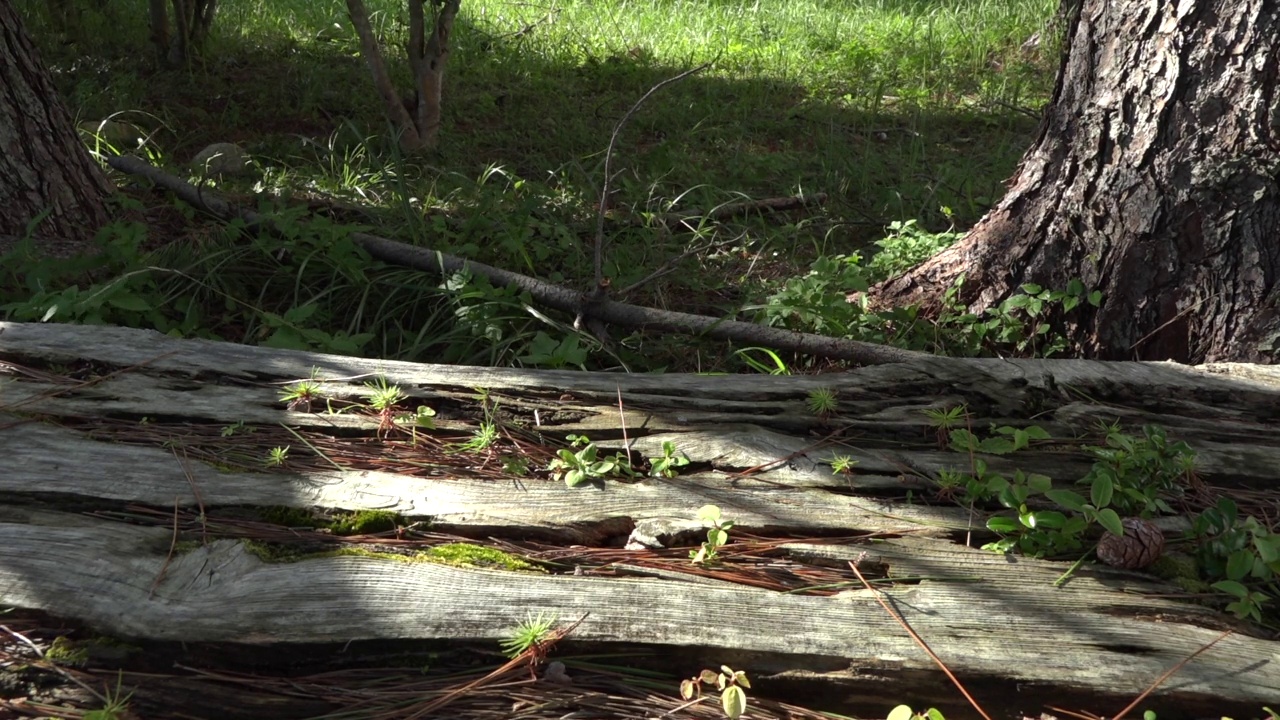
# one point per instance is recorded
(548, 294)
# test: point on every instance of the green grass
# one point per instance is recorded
(894, 109)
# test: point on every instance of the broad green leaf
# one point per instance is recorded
(902, 712)
(1239, 563)
(1039, 483)
(710, 513)
(1003, 524)
(1231, 587)
(1108, 519)
(1068, 499)
(734, 702)
(1101, 491)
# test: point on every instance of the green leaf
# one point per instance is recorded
(1003, 524)
(902, 712)
(1095, 298)
(1239, 564)
(1108, 519)
(1049, 519)
(709, 513)
(1039, 483)
(934, 714)
(1231, 587)
(734, 702)
(1068, 499)
(717, 537)
(1101, 491)
(128, 301)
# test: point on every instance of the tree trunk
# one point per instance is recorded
(47, 179)
(1154, 179)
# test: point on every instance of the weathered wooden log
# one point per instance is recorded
(94, 420)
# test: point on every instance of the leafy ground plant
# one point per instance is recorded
(669, 464)
(585, 463)
(731, 684)
(717, 535)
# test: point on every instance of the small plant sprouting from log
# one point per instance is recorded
(530, 632)
(486, 435)
(944, 420)
(300, 396)
(732, 685)
(717, 535)
(277, 456)
(669, 464)
(822, 402)
(115, 704)
(586, 464)
(842, 465)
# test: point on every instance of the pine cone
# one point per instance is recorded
(1140, 546)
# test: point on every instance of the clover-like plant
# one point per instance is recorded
(732, 685)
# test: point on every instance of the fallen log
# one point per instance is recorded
(140, 497)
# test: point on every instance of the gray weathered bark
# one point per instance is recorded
(1154, 179)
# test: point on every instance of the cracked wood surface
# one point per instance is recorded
(993, 619)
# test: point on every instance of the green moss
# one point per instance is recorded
(1192, 585)
(366, 522)
(65, 651)
(1175, 566)
(289, 517)
(183, 547)
(468, 555)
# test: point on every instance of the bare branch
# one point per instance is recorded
(608, 166)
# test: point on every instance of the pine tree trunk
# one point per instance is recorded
(45, 171)
(1155, 179)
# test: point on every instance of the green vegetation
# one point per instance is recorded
(367, 522)
(717, 536)
(468, 555)
(1133, 476)
(880, 107)
(586, 464)
(531, 631)
(65, 651)
(732, 685)
(669, 464)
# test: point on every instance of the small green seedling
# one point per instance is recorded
(668, 465)
(717, 535)
(822, 401)
(277, 456)
(842, 465)
(531, 631)
(585, 464)
(732, 684)
(301, 395)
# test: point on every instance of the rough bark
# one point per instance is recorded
(47, 179)
(1153, 179)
